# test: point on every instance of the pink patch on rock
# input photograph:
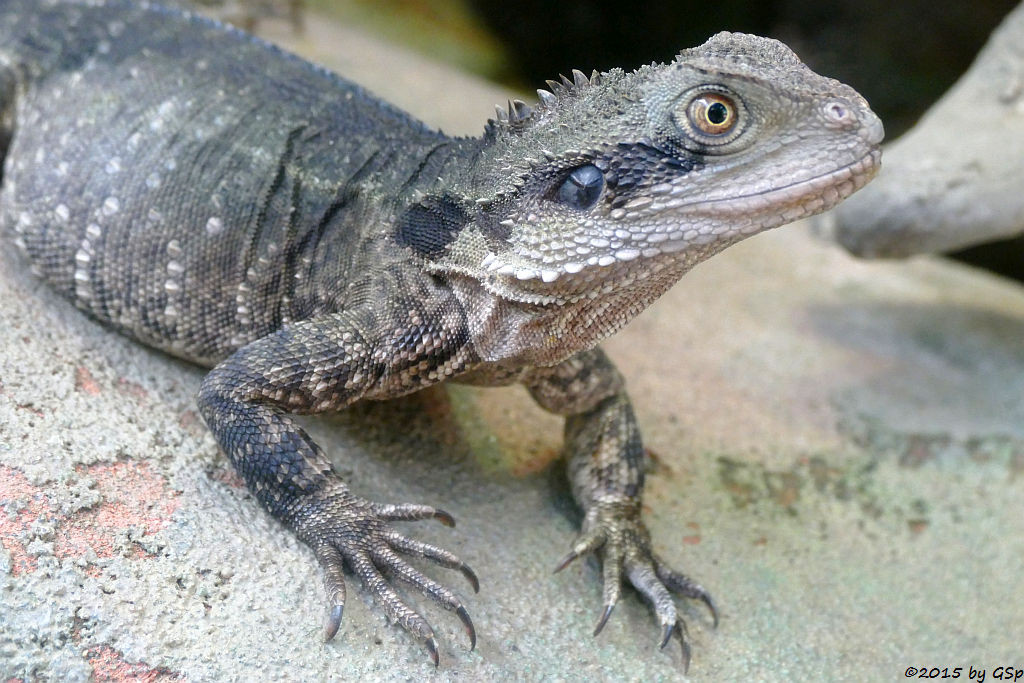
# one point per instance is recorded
(133, 498)
(21, 504)
(85, 382)
(109, 665)
(133, 389)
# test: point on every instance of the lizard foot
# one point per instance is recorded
(614, 531)
(343, 529)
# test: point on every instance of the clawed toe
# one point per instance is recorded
(475, 582)
(706, 599)
(334, 586)
(685, 586)
(431, 645)
(444, 518)
(622, 543)
(684, 645)
(565, 561)
(408, 512)
(345, 531)
(677, 628)
(604, 618)
(468, 623)
(333, 622)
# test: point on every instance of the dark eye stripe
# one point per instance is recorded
(582, 188)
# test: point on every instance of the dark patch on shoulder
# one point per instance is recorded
(429, 226)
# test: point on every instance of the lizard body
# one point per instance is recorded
(216, 198)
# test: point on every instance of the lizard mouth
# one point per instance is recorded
(728, 220)
(812, 195)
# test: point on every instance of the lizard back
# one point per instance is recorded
(197, 188)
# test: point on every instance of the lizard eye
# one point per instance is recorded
(582, 188)
(712, 113)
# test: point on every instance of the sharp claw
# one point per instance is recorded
(444, 518)
(706, 599)
(333, 622)
(431, 645)
(464, 615)
(471, 577)
(565, 561)
(666, 634)
(604, 618)
(686, 655)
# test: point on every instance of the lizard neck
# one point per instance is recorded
(511, 331)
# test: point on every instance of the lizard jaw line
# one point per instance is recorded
(845, 181)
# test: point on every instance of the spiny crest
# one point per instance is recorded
(515, 116)
(566, 86)
(518, 112)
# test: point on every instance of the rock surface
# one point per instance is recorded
(957, 178)
(839, 458)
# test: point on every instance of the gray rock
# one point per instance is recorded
(957, 178)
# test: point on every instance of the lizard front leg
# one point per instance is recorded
(606, 471)
(315, 366)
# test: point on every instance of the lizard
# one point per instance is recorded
(221, 200)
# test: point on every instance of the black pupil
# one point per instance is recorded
(718, 113)
(582, 188)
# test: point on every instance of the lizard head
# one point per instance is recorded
(623, 181)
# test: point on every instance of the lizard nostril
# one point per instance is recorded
(838, 112)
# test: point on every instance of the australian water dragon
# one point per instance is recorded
(233, 205)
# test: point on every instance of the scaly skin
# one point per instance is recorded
(213, 197)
